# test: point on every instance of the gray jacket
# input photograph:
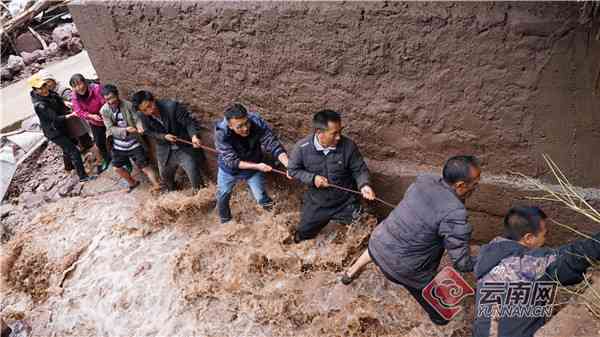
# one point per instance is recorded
(408, 245)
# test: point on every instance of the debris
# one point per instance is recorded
(29, 58)
(20, 329)
(23, 18)
(6, 74)
(15, 64)
(67, 38)
(27, 42)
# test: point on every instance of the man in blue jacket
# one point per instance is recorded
(240, 139)
(516, 276)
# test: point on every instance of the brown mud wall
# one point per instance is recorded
(416, 82)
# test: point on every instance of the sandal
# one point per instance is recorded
(132, 187)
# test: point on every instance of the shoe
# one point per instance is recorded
(268, 206)
(87, 178)
(297, 238)
(224, 221)
(346, 279)
(106, 165)
(129, 167)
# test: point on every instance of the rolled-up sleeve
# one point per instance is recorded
(456, 233)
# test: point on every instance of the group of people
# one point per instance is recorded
(406, 247)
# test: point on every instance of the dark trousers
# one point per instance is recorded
(417, 294)
(315, 215)
(99, 133)
(188, 162)
(71, 155)
(85, 142)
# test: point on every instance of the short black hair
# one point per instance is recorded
(521, 220)
(235, 110)
(323, 117)
(457, 168)
(77, 78)
(108, 89)
(141, 96)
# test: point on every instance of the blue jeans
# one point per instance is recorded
(225, 184)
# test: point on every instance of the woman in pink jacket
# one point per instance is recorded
(87, 100)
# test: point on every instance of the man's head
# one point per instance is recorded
(111, 95)
(79, 84)
(237, 119)
(48, 78)
(38, 85)
(527, 225)
(143, 101)
(328, 127)
(463, 174)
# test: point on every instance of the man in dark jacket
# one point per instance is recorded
(517, 278)
(52, 112)
(240, 139)
(408, 245)
(325, 157)
(165, 121)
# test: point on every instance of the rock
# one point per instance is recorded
(51, 50)
(53, 47)
(62, 34)
(27, 43)
(75, 46)
(4, 329)
(6, 209)
(48, 185)
(20, 329)
(66, 188)
(36, 55)
(31, 200)
(575, 319)
(6, 74)
(15, 64)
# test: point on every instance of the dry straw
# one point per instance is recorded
(572, 198)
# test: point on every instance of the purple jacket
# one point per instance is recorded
(90, 105)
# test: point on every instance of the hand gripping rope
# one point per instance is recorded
(283, 173)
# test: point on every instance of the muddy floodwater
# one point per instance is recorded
(117, 264)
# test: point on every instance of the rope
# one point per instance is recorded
(283, 173)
